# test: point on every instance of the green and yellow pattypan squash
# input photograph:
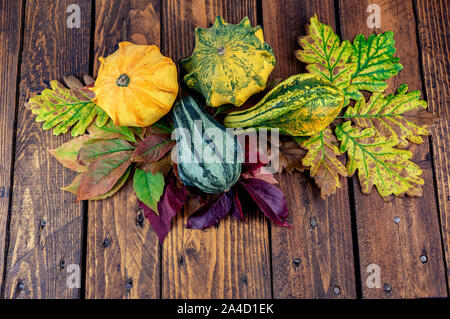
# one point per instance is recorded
(230, 62)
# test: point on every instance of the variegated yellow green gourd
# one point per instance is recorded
(229, 63)
(302, 105)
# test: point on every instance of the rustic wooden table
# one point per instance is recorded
(45, 236)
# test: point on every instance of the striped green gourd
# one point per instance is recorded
(208, 156)
(302, 105)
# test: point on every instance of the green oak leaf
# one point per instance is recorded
(378, 162)
(403, 116)
(62, 109)
(148, 188)
(325, 167)
(375, 62)
(325, 54)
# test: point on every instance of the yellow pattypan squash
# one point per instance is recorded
(136, 85)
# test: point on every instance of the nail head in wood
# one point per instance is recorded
(106, 242)
(336, 290)
(396, 219)
(423, 259)
(313, 222)
(140, 218)
(387, 288)
(20, 286)
(129, 285)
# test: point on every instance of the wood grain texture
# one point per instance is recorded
(397, 247)
(433, 21)
(38, 256)
(232, 260)
(10, 20)
(129, 267)
(308, 261)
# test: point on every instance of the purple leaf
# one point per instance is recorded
(211, 213)
(170, 204)
(269, 199)
(236, 208)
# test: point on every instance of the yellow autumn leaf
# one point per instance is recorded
(378, 162)
(324, 165)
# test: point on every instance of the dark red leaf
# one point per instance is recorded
(170, 204)
(236, 208)
(212, 213)
(269, 199)
(153, 148)
(254, 161)
(254, 167)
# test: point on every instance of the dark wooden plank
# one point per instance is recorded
(308, 261)
(433, 20)
(132, 259)
(10, 19)
(51, 50)
(398, 247)
(231, 261)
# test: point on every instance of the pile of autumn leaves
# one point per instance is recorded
(373, 134)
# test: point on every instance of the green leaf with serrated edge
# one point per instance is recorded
(148, 188)
(325, 54)
(110, 131)
(103, 174)
(402, 115)
(94, 148)
(325, 167)
(61, 108)
(73, 187)
(378, 162)
(67, 153)
(375, 61)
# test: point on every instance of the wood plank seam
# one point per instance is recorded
(38, 255)
(308, 261)
(431, 143)
(438, 53)
(351, 191)
(13, 150)
(260, 21)
(398, 247)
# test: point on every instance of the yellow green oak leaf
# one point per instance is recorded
(325, 54)
(325, 167)
(375, 62)
(62, 108)
(403, 116)
(378, 162)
